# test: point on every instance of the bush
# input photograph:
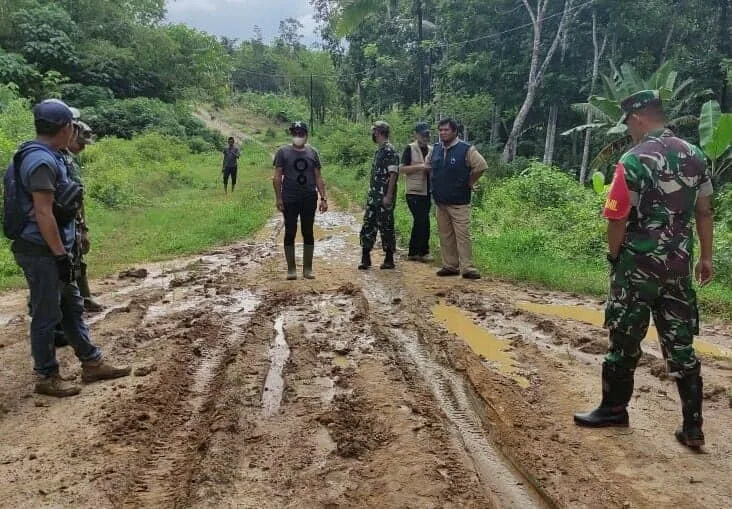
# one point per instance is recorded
(280, 108)
(544, 210)
(84, 96)
(128, 117)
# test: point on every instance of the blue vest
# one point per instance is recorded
(39, 154)
(451, 174)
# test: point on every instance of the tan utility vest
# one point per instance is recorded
(417, 183)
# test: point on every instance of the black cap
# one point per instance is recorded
(298, 126)
(422, 128)
(54, 112)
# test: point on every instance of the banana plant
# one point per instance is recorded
(677, 97)
(715, 138)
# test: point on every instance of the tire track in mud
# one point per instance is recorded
(508, 485)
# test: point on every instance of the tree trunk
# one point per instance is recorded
(599, 50)
(496, 125)
(536, 70)
(725, 48)
(420, 51)
(551, 134)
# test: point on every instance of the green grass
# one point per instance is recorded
(169, 206)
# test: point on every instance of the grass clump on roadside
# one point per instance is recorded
(150, 198)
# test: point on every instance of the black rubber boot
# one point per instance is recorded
(691, 392)
(307, 261)
(365, 260)
(617, 388)
(291, 266)
(388, 260)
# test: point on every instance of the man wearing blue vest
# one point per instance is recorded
(455, 168)
(43, 251)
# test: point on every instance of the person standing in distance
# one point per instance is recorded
(230, 167)
(660, 186)
(379, 214)
(297, 182)
(417, 177)
(455, 168)
(43, 240)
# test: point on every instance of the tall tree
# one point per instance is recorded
(538, 64)
(598, 50)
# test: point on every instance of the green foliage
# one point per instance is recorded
(544, 210)
(715, 134)
(128, 117)
(278, 107)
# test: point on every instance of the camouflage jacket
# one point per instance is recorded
(73, 167)
(665, 176)
(386, 161)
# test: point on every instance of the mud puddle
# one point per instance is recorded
(597, 318)
(274, 384)
(490, 347)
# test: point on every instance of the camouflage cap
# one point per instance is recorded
(86, 135)
(381, 126)
(637, 101)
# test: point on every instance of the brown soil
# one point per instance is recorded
(345, 391)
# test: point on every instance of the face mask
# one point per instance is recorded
(298, 141)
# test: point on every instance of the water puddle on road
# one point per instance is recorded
(493, 349)
(274, 385)
(597, 318)
(340, 361)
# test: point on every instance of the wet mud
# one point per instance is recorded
(357, 389)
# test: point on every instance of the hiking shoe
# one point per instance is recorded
(428, 258)
(54, 385)
(92, 306)
(471, 274)
(445, 272)
(100, 370)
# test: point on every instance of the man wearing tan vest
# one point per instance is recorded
(417, 177)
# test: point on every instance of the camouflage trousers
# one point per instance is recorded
(634, 297)
(378, 219)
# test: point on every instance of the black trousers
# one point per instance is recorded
(419, 242)
(304, 208)
(230, 172)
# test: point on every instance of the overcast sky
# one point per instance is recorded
(236, 18)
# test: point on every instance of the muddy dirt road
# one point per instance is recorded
(377, 389)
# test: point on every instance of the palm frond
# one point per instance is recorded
(610, 153)
(597, 113)
(584, 127)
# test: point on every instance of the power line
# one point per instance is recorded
(439, 45)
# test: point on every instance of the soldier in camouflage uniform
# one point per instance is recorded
(659, 187)
(83, 137)
(379, 215)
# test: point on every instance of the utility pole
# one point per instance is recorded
(312, 123)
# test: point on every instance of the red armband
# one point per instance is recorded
(617, 206)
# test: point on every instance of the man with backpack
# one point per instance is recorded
(41, 203)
